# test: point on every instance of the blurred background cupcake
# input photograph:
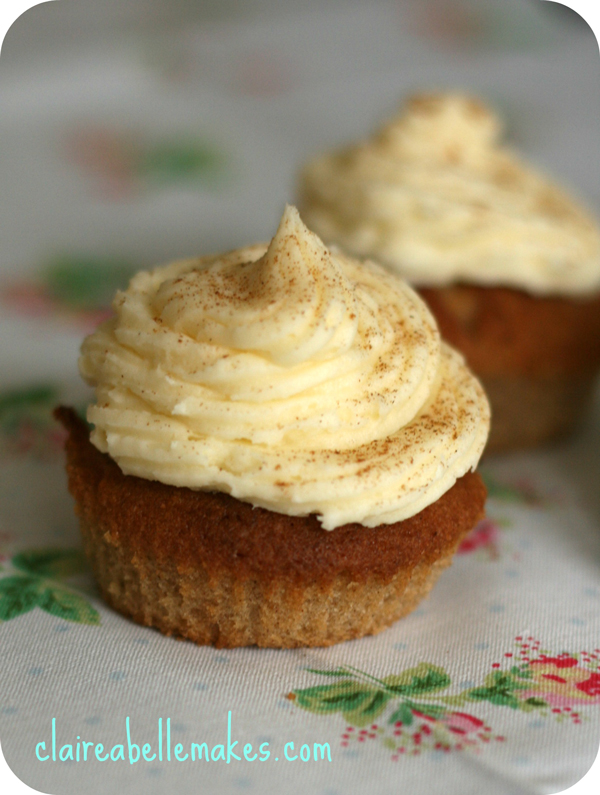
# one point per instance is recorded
(132, 131)
(508, 261)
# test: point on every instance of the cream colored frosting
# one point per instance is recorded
(288, 376)
(436, 197)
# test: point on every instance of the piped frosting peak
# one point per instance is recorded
(289, 376)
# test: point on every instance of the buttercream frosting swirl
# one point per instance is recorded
(289, 376)
(435, 196)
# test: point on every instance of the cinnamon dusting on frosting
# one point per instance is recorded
(288, 376)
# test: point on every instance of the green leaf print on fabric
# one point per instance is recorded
(18, 595)
(361, 697)
(182, 159)
(123, 162)
(520, 491)
(359, 703)
(38, 586)
(500, 689)
(65, 604)
(31, 404)
(371, 707)
(334, 673)
(83, 281)
(403, 714)
(416, 715)
(425, 678)
(20, 399)
(55, 563)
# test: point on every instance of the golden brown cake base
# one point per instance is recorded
(229, 612)
(208, 567)
(537, 358)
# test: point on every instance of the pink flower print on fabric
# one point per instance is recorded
(562, 682)
(462, 723)
(485, 536)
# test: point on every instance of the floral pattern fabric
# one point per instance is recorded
(493, 684)
(381, 700)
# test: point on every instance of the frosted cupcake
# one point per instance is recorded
(508, 262)
(283, 450)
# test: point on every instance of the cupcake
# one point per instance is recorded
(283, 450)
(508, 262)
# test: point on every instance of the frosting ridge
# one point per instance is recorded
(435, 196)
(289, 376)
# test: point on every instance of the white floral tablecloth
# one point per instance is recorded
(168, 144)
